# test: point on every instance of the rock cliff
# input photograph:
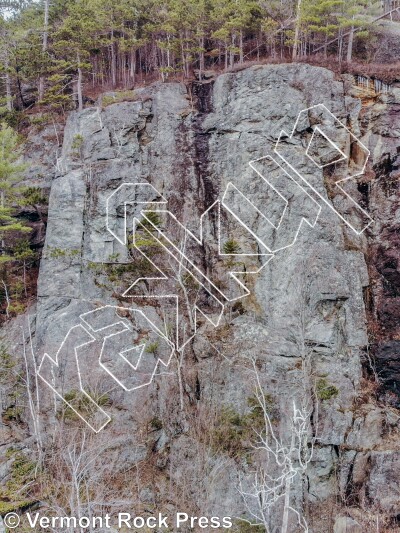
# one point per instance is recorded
(317, 337)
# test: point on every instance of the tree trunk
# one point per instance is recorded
(297, 31)
(340, 46)
(187, 64)
(79, 85)
(24, 278)
(9, 102)
(350, 45)
(8, 92)
(326, 47)
(285, 518)
(7, 297)
(44, 45)
(241, 47)
(133, 65)
(232, 53)
(183, 60)
(20, 89)
(113, 61)
(201, 57)
(168, 54)
(3, 244)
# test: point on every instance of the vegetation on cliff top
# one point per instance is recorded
(59, 53)
(16, 254)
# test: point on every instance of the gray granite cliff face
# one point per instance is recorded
(304, 323)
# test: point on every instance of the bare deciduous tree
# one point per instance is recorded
(282, 462)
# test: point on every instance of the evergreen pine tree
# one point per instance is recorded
(10, 173)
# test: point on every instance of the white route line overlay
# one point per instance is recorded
(352, 176)
(200, 241)
(151, 193)
(176, 253)
(83, 317)
(303, 220)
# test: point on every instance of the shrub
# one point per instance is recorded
(113, 258)
(77, 142)
(255, 418)
(145, 243)
(152, 217)
(80, 403)
(76, 146)
(16, 308)
(56, 253)
(235, 432)
(151, 347)
(7, 507)
(6, 360)
(239, 308)
(22, 470)
(14, 390)
(156, 424)
(325, 391)
(231, 247)
(228, 435)
(33, 196)
(190, 282)
(118, 96)
(14, 411)
(40, 120)
(243, 526)
(15, 495)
